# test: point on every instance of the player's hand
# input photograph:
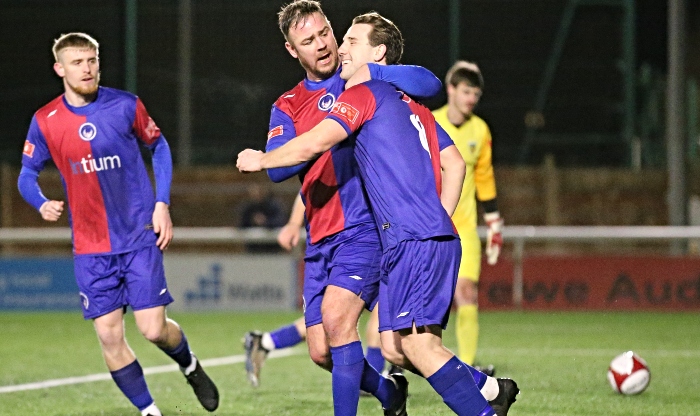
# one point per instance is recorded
(361, 75)
(51, 210)
(162, 225)
(249, 161)
(494, 236)
(288, 236)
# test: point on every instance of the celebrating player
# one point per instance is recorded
(473, 139)
(119, 226)
(259, 344)
(343, 250)
(413, 176)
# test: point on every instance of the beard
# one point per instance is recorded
(86, 90)
(322, 72)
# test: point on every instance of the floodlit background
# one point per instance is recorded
(594, 107)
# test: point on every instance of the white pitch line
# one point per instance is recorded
(589, 352)
(209, 362)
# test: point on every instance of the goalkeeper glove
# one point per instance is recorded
(494, 236)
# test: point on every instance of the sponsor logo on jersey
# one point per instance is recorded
(90, 165)
(326, 102)
(277, 131)
(28, 149)
(356, 277)
(51, 113)
(346, 111)
(472, 147)
(87, 131)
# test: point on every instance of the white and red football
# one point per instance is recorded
(628, 373)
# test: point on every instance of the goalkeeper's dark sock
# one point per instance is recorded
(132, 383)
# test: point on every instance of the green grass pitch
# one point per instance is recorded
(558, 359)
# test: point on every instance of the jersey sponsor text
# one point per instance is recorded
(91, 165)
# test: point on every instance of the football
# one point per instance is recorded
(628, 373)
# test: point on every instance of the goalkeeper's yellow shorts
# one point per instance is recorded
(470, 266)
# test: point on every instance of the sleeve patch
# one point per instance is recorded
(346, 111)
(28, 149)
(277, 131)
(152, 131)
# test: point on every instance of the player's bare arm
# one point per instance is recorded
(288, 236)
(453, 172)
(51, 210)
(302, 148)
(162, 225)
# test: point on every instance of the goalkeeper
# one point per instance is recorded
(472, 137)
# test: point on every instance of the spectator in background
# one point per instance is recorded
(262, 210)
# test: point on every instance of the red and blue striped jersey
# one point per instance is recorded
(397, 146)
(331, 186)
(109, 194)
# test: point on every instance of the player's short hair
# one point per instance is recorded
(385, 32)
(74, 40)
(465, 71)
(297, 12)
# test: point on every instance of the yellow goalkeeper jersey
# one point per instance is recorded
(473, 140)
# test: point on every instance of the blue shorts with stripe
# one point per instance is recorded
(348, 259)
(418, 283)
(110, 282)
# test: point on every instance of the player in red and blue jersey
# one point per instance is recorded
(341, 276)
(413, 175)
(92, 134)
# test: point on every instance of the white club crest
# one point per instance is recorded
(87, 131)
(326, 102)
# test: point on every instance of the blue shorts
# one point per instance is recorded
(349, 259)
(110, 282)
(418, 283)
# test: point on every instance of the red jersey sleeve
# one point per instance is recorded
(144, 126)
(354, 107)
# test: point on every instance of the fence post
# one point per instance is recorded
(551, 190)
(518, 254)
(6, 187)
(5, 195)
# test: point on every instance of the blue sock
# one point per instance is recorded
(348, 366)
(131, 382)
(454, 382)
(375, 358)
(181, 354)
(479, 377)
(287, 336)
(380, 387)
